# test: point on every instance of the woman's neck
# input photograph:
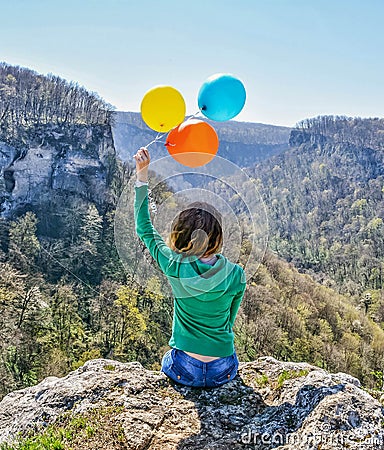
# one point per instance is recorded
(208, 259)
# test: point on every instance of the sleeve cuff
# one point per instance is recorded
(139, 183)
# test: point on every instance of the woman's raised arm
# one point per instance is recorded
(158, 249)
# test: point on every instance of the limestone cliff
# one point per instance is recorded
(110, 405)
(56, 161)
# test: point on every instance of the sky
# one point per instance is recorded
(297, 59)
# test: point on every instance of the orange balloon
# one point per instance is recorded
(193, 143)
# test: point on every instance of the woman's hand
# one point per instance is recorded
(142, 162)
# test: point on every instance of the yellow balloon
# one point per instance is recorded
(163, 108)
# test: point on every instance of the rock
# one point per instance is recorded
(269, 404)
(56, 161)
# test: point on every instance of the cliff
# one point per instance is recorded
(56, 163)
(55, 144)
(110, 405)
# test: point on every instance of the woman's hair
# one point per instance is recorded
(197, 230)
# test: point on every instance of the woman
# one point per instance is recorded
(207, 288)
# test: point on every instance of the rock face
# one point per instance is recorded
(56, 161)
(269, 404)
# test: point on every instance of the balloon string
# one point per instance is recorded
(161, 135)
(157, 138)
(194, 115)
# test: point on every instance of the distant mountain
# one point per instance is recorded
(241, 143)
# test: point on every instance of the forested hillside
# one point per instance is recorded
(325, 198)
(27, 99)
(65, 297)
(52, 322)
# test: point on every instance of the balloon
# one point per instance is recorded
(193, 143)
(163, 108)
(221, 97)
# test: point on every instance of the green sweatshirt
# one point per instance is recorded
(206, 298)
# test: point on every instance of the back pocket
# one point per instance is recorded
(182, 375)
(225, 375)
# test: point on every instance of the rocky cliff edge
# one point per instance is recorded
(111, 405)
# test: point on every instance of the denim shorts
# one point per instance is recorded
(184, 369)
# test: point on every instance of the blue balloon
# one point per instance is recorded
(221, 97)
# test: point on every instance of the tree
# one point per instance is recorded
(68, 332)
(23, 243)
(131, 323)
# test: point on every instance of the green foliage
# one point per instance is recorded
(28, 99)
(289, 375)
(86, 356)
(45, 442)
(92, 428)
(379, 378)
(262, 380)
(67, 326)
(19, 365)
(325, 201)
(23, 242)
(289, 316)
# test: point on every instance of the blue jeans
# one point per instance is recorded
(184, 369)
